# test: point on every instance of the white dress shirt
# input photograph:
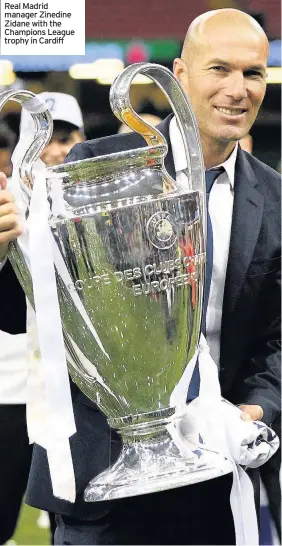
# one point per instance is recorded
(220, 211)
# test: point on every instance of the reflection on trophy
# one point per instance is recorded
(130, 293)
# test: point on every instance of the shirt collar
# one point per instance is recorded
(179, 159)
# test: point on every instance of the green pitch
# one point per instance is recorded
(27, 531)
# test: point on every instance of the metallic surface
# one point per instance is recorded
(137, 296)
(186, 121)
(130, 277)
(43, 128)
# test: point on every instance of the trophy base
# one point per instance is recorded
(148, 468)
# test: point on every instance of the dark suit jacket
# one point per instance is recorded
(250, 341)
(11, 297)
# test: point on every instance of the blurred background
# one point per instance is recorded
(118, 34)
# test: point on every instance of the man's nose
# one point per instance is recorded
(236, 86)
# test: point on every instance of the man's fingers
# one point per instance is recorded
(251, 412)
(246, 416)
(10, 235)
(8, 208)
(3, 181)
(9, 221)
(6, 197)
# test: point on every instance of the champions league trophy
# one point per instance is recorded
(133, 248)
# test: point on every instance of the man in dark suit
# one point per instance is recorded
(222, 69)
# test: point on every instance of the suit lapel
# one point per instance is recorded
(246, 223)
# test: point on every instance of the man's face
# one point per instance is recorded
(225, 81)
(5, 162)
(60, 145)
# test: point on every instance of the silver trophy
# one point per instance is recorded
(133, 248)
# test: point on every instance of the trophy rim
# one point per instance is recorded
(154, 152)
(125, 202)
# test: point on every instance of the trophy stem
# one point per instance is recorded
(150, 461)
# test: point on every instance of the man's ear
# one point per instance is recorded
(179, 70)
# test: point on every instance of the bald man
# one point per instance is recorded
(223, 71)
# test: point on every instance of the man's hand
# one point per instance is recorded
(251, 412)
(10, 225)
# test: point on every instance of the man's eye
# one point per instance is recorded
(253, 74)
(219, 68)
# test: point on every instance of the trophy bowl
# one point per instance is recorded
(135, 268)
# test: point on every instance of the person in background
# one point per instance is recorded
(12, 120)
(68, 128)
(15, 451)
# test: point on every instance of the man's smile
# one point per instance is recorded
(227, 111)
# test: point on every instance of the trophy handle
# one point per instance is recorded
(43, 128)
(186, 121)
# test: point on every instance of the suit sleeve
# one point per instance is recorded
(78, 152)
(261, 381)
